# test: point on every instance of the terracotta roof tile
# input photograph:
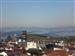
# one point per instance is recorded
(58, 53)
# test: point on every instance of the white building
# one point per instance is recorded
(3, 54)
(60, 43)
(32, 45)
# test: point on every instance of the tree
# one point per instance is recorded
(8, 39)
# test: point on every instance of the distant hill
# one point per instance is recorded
(56, 32)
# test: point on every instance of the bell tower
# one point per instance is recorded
(23, 38)
(24, 35)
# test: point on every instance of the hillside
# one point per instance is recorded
(55, 32)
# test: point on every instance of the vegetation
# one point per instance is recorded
(38, 36)
(69, 39)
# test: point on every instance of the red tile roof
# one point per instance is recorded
(58, 53)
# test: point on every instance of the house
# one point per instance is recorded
(3, 54)
(57, 48)
(33, 49)
(60, 43)
(32, 45)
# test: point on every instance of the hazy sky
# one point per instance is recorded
(37, 13)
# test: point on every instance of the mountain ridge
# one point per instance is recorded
(68, 31)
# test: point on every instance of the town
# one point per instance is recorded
(27, 45)
(37, 27)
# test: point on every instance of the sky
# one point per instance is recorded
(37, 13)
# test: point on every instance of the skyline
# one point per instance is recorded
(37, 13)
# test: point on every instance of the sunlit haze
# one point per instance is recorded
(37, 13)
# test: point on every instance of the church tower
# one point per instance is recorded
(23, 38)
